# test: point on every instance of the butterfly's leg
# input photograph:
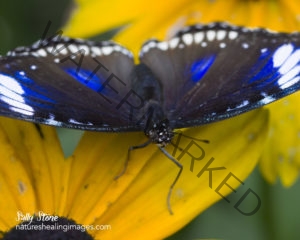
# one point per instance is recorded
(179, 165)
(131, 148)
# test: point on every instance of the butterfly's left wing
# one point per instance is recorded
(216, 71)
(71, 83)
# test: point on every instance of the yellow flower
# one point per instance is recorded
(161, 19)
(35, 177)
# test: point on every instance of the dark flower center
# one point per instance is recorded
(58, 228)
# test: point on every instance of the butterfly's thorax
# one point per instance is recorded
(145, 83)
(155, 124)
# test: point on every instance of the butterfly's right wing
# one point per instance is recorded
(216, 71)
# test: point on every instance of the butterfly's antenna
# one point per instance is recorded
(178, 164)
(176, 145)
(196, 139)
(131, 148)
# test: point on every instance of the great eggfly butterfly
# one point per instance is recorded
(204, 74)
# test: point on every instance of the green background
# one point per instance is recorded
(23, 22)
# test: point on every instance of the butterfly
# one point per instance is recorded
(205, 73)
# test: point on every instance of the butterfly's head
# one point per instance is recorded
(160, 133)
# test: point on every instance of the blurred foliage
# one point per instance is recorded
(23, 22)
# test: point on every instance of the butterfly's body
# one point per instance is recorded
(155, 122)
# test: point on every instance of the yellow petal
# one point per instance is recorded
(281, 156)
(33, 172)
(16, 192)
(137, 201)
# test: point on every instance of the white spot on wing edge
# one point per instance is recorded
(51, 121)
(42, 53)
(127, 52)
(148, 46)
(187, 38)
(73, 48)
(71, 120)
(118, 48)
(267, 100)
(35, 54)
(221, 34)
(163, 46)
(173, 43)
(199, 36)
(85, 49)
(243, 104)
(107, 50)
(233, 35)
(61, 49)
(49, 49)
(211, 34)
(96, 50)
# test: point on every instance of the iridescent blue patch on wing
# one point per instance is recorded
(85, 77)
(264, 70)
(30, 89)
(280, 67)
(200, 67)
